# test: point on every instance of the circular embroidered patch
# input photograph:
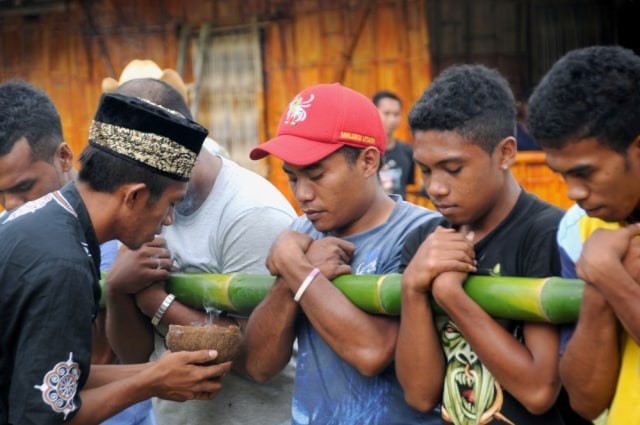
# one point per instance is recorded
(60, 385)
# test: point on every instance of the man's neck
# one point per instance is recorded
(100, 208)
(204, 176)
(377, 213)
(496, 215)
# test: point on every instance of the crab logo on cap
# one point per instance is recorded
(296, 112)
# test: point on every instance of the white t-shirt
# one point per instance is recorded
(232, 231)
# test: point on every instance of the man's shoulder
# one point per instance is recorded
(303, 225)
(409, 218)
(247, 189)
(424, 229)
(403, 145)
(405, 210)
(540, 213)
(401, 148)
(576, 227)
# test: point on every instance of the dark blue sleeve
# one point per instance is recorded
(108, 252)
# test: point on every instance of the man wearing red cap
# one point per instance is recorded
(331, 140)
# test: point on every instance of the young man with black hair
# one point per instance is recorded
(49, 271)
(331, 140)
(397, 169)
(30, 127)
(34, 159)
(585, 113)
(491, 371)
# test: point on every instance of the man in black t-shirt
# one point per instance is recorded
(491, 371)
(398, 169)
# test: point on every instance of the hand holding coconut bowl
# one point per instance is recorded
(225, 340)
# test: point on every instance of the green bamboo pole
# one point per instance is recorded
(552, 299)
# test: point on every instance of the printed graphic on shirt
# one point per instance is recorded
(59, 386)
(36, 204)
(30, 207)
(471, 394)
(368, 265)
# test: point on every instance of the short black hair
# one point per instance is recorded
(592, 92)
(471, 100)
(105, 172)
(27, 111)
(351, 153)
(156, 91)
(385, 94)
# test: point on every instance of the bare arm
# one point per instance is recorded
(149, 299)
(591, 361)
(531, 374)
(269, 334)
(419, 357)
(128, 329)
(270, 330)
(610, 261)
(365, 341)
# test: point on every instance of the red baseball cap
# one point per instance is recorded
(320, 120)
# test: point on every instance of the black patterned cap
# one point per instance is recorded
(148, 134)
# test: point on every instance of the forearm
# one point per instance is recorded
(365, 341)
(128, 330)
(530, 376)
(622, 294)
(590, 364)
(105, 374)
(99, 404)
(269, 334)
(108, 390)
(419, 358)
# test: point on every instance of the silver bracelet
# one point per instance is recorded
(305, 284)
(155, 320)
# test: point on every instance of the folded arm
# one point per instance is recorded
(531, 374)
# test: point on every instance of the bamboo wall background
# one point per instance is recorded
(364, 44)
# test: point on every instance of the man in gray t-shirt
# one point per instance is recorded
(226, 224)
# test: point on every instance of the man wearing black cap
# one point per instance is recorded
(132, 174)
(228, 220)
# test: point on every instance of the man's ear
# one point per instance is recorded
(634, 149)
(134, 195)
(371, 159)
(64, 156)
(507, 149)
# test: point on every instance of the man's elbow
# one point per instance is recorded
(588, 409)
(259, 374)
(257, 368)
(540, 401)
(421, 402)
(372, 362)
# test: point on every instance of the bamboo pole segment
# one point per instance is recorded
(552, 299)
